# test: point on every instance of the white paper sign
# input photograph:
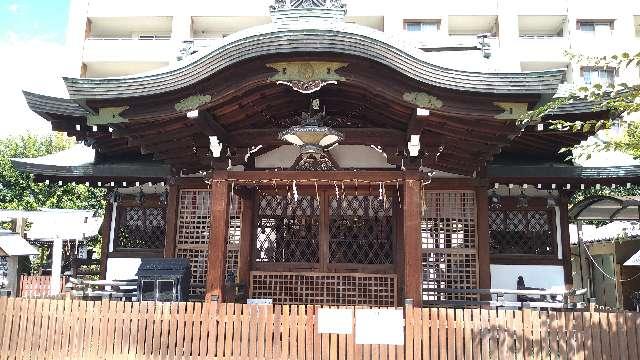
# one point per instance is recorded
(259, 301)
(379, 326)
(335, 321)
(634, 260)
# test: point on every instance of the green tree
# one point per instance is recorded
(620, 99)
(19, 191)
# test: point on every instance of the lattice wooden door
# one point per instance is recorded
(192, 238)
(449, 239)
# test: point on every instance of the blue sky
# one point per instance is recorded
(27, 19)
(34, 57)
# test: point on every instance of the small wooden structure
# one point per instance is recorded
(12, 246)
(428, 181)
(598, 259)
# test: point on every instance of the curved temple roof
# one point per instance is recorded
(315, 37)
(383, 83)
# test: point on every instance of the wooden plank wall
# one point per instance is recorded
(57, 329)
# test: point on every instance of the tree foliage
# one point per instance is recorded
(620, 100)
(19, 191)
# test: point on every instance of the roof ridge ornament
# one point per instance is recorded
(288, 10)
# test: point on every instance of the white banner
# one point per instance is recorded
(379, 326)
(335, 321)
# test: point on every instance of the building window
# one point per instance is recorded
(139, 227)
(522, 231)
(598, 75)
(595, 27)
(422, 25)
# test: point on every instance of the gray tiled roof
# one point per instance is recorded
(314, 38)
(78, 162)
(53, 105)
(550, 171)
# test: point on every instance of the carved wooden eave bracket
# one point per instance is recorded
(308, 76)
(422, 100)
(512, 111)
(108, 115)
(192, 103)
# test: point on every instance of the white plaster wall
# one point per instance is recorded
(122, 268)
(540, 276)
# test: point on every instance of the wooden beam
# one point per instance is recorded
(171, 221)
(105, 232)
(198, 141)
(416, 124)
(163, 136)
(217, 240)
(311, 177)
(565, 241)
(210, 126)
(245, 258)
(482, 245)
(411, 244)
(352, 136)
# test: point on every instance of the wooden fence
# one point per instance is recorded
(56, 329)
(35, 286)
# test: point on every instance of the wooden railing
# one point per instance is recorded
(36, 286)
(56, 329)
(340, 289)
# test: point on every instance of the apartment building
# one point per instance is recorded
(116, 37)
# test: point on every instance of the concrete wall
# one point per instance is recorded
(509, 51)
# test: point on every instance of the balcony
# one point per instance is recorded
(532, 48)
(103, 69)
(552, 7)
(129, 50)
(211, 27)
(471, 25)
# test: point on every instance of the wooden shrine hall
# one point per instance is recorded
(315, 161)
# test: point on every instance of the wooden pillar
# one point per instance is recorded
(246, 238)
(105, 233)
(218, 239)
(411, 245)
(482, 245)
(565, 241)
(171, 221)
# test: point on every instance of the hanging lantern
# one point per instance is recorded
(494, 200)
(523, 201)
(311, 135)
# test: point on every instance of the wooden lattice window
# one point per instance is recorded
(342, 289)
(360, 230)
(522, 231)
(287, 230)
(449, 256)
(192, 238)
(139, 227)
